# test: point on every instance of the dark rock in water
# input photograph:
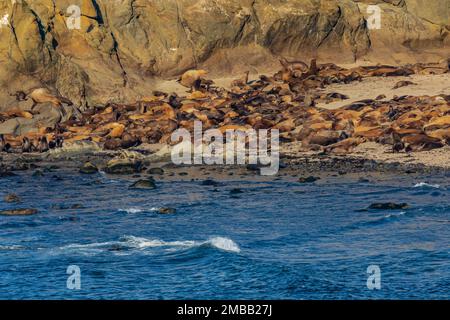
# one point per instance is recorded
(209, 182)
(155, 171)
(167, 211)
(10, 198)
(253, 167)
(309, 179)
(18, 212)
(50, 168)
(236, 191)
(38, 173)
(144, 184)
(88, 168)
(5, 172)
(123, 166)
(388, 206)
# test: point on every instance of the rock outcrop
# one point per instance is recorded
(122, 46)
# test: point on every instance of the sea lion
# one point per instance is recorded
(242, 82)
(59, 141)
(4, 146)
(27, 146)
(43, 145)
(421, 142)
(20, 96)
(313, 70)
(112, 144)
(294, 65)
(405, 83)
(344, 146)
(56, 143)
(175, 101)
(129, 141)
(397, 143)
(192, 79)
(43, 95)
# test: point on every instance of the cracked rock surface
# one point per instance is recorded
(122, 46)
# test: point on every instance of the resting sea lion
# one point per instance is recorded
(192, 79)
(43, 144)
(294, 65)
(27, 146)
(242, 82)
(4, 146)
(405, 83)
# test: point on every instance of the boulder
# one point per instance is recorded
(144, 184)
(388, 206)
(88, 168)
(123, 166)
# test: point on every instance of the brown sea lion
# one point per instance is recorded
(112, 144)
(56, 143)
(192, 79)
(421, 142)
(242, 82)
(4, 146)
(313, 70)
(43, 95)
(27, 145)
(43, 145)
(404, 83)
(344, 146)
(175, 101)
(129, 141)
(397, 143)
(294, 65)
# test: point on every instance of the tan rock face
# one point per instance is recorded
(121, 46)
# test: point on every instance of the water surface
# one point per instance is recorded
(273, 240)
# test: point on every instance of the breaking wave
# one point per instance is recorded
(426, 185)
(127, 243)
(137, 210)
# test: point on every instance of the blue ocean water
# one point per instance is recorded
(272, 240)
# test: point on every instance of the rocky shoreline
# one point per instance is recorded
(148, 162)
(407, 133)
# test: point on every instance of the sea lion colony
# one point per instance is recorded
(284, 101)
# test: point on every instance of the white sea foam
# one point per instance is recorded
(137, 210)
(11, 247)
(224, 244)
(139, 243)
(395, 215)
(426, 185)
(131, 210)
(221, 243)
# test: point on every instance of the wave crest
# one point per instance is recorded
(139, 243)
(426, 185)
